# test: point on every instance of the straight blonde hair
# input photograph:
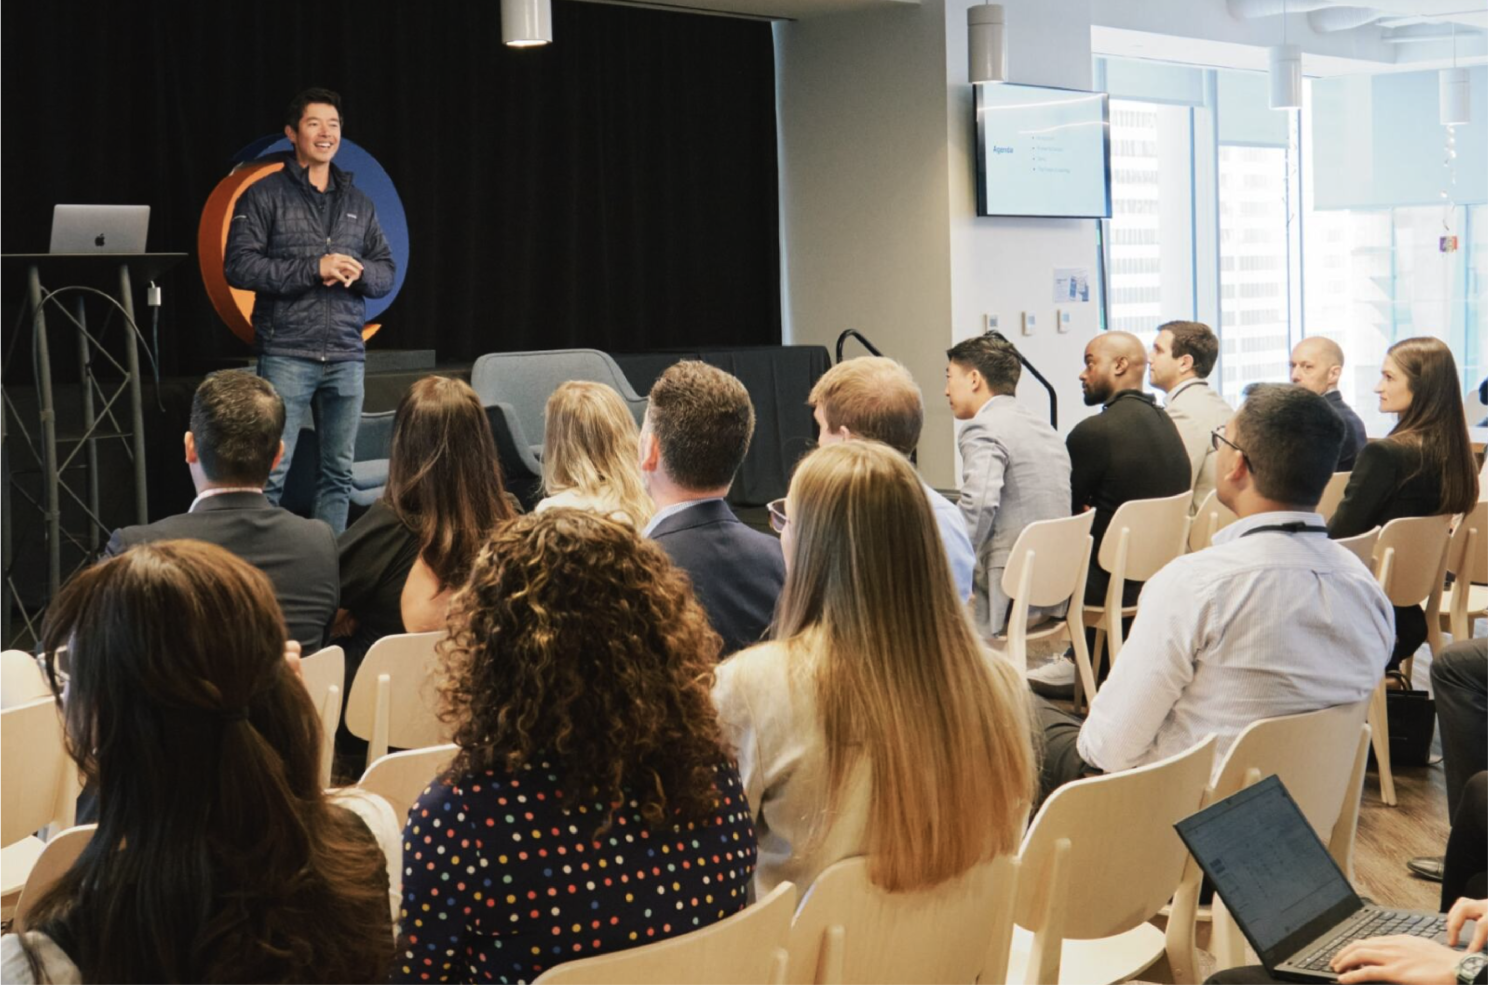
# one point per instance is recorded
(591, 446)
(901, 678)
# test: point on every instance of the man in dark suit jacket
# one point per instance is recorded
(697, 430)
(1317, 364)
(234, 442)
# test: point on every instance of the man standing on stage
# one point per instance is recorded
(308, 244)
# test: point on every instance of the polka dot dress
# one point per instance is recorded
(502, 879)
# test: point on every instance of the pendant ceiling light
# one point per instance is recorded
(1286, 70)
(526, 23)
(986, 45)
(1454, 95)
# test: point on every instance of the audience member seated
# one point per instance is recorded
(1403, 958)
(1014, 469)
(1424, 468)
(1183, 356)
(589, 454)
(236, 423)
(1459, 682)
(592, 806)
(1131, 450)
(1273, 619)
(217, 857)
(401, 560)
(874, 723)
(694, 439)
(1317, 363)
(876, 398)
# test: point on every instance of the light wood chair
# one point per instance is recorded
(1099, 861)
(1210, 518)
(1333, 495)
(58, 856)
(1144, 535)
(849, 930)
(325, 678)
(1411, 562)
(1362, 545)
(21, 679)
(1321, 758)
(399, 777)
(394, 699)
(1467, 562)
(1048, 565)
(744, 949)
(40, 788)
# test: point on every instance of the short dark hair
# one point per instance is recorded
(1291, 437)
(315, 94)
(996, 359)
(703, 419)
(237, 420)
(1196, 340)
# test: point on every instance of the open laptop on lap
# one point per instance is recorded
(99, 228)
(1284, 889)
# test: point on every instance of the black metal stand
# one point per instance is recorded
(87, 276)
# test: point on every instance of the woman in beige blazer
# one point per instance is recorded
(874, 722)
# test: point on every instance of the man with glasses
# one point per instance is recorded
(1273, 619)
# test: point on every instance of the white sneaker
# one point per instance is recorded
(1055, 679)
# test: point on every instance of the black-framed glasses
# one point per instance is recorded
(1217, 435)
(778, 518)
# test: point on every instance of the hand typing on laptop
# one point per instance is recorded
(1411, 960)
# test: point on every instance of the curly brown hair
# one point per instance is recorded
(577, 639)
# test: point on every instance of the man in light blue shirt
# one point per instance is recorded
(876, 398)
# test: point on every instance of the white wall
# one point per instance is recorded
(878, 205)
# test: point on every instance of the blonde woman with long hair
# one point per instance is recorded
(589, 454)
(874, 723)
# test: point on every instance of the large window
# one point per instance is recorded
(1253, 268)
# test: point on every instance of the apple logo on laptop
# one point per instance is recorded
(99, 241)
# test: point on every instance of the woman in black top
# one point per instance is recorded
(1424, 468)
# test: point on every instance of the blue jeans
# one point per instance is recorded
(332, 393)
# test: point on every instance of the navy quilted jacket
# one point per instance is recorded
(281, 227)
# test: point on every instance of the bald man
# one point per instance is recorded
(1317, 364)
(1131, 450)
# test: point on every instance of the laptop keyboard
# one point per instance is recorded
(1382, 923)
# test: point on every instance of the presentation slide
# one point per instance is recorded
(1042, 152)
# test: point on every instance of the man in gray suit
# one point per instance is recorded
(1014, 469)
(1182, 357)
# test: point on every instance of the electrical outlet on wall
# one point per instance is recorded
(1030, 321)
(1062, 320)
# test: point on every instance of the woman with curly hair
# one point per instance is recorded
(589, 454)
(592, 806)
(875, 723)
(217, 856)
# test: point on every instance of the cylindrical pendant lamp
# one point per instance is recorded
(1286, 76)
(1454, 96)
(986, 43)
(526, 23)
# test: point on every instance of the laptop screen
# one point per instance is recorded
(1270, 868)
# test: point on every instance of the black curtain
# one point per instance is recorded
(616, 189)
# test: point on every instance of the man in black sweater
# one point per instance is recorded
(1131, 450)
(1317, 364)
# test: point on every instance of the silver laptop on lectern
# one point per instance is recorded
(100, 228)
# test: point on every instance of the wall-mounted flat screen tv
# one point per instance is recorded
(1042, 152)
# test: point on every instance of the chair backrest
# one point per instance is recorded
(1058, 549)
(521, 472)
(526, 380)
(325, 678)
(1211, 517)
(1159, 533)
(60, 852)
(1417, 546)
(1101, 856)
(744, 949)
(1333, 494)
(849, 930)
(21, 679)
(32, 764)
(1362, 545)
(374, 437)
(399, 777)
(1467, 558)
(409, 661)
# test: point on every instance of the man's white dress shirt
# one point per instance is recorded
(1263, 623)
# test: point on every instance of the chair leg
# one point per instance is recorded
(1225, 940)
(1379, 734)
(1098, 657)
(1084, 673)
